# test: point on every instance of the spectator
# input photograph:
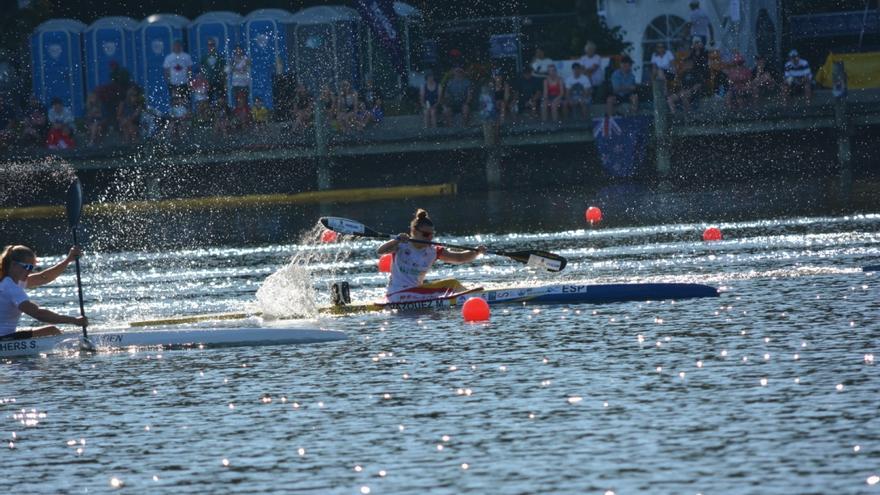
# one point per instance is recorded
(699, 25)
(692, 78)
(240, 73)
(661, 63)
(488, 110)
(60, 139)
(303, 107)
(94, 118)
(457, 96)
(623, 87)
(241, 114)
(373, 110)
(178, 67)
(180, 117)
(591, 63)
(347, 107)
(501, 91)
(798, 77)
(529, 90)
(327, 101)
(212, 65)
(259, 112)
(128, 114)
(738, 78)
(578, 90)
(59, 116)
(220, 117)
(35, 123)
(541, 64)
(762, 83)
(429, 97)
(716, 84)
(200, 89)
(553, 95)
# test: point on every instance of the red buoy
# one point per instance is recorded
(712, 234)
(593, 214)
(475, 309)
(385, 262)
(329, 236)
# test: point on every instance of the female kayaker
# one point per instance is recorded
(412, 260)
(17, 264)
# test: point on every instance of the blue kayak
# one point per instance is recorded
(871, 268)
(596, 293)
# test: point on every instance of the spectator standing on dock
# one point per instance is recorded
(541, 64)
(699, 24)
(240, 73)
(429, 97)
(178, 68)
(578, 91)
(623, 87)
(529, 91)
(591, 63)
(554, 95)
(798, 77)
(212, 67)
(457, 97)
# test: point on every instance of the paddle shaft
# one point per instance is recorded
(82, 310)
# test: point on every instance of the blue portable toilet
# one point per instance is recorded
(57, 63)
(326, 46)
(222, 27)
(153, 40)
(109, 40)
(266, 33)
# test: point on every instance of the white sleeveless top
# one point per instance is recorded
(410, 266)
(11, 296)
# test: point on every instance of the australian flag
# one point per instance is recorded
(622, 143)
(382, 19)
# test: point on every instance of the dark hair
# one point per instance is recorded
(57, 100)
(14, 253)
(626, 60)
(421, 219)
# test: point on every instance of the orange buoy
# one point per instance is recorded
(593, 214)
(329, 236)
(712, 234)
(385, 262)
(475, 309)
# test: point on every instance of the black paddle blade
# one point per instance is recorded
(74, 203)
(538, 259)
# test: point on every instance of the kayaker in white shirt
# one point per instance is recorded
(17, 265)
(413, 260)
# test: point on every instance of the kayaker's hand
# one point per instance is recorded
(402, 237)
(75, 252)
(482, 249)
(81, 321)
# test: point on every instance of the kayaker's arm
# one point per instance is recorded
(391, 246)
(50, 274)
(47, 316)
(460, 256)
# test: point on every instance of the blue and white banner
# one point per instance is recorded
(622, 143)
(382, 19)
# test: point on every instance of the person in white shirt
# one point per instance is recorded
(661, 63)
(578, 90)
(700, 24)
(17, 265)
(541, 64)
(59, 116)
(798, 77)
(178, 67)
(591, 63)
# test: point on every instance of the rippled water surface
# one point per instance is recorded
(771, 388)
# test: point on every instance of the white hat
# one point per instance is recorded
(793, 53)
(697, 39)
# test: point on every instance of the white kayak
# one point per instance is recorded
(170, 338)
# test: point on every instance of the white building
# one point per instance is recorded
(751, 27)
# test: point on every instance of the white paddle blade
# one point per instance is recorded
(544, 263)
(343, 225)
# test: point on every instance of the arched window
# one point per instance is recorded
(666, 29)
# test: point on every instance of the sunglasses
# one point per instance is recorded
(427, 235)
(27, 266)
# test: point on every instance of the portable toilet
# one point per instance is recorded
(265, 34)
(153, 40)
(109, 40)
(326, 46)
(224, 28)
(57, 63)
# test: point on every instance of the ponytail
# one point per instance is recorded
(14, 253)
(421, 219)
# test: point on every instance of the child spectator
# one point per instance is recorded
(623, 87)
(457, 96)
(259, 112)
(762, 83)
(180, 117)
(578, 91)
(738, 78)
(241, 114)
(60, 139)
(554, 95)
(240, 73)
(59, 116)
(798, 77)
(128, 114)
(94, 118)
(429, 97)
(200, 89)
(529, 90)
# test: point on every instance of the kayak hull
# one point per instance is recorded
(871, 268)
(209, 337)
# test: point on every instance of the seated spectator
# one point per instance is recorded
(691, 78)
(738, 78)
(529, 91)
(60, 139)
(303, 108)
(128, 114)
(457, 96)
(347, 107)
(578, 90)
(429, 97)
(200, 89)
(239, 71)
(487, 109)
(591, 63)
(180, 117)
(259, 112)
(763, 83)
(150, 121)
(661, 63)
(541, 64)
(220, 118)
(94, 118)
(554, 95)
(716, 85)
(241, 114)
(372, 105)
(327, 102)
(623, 87)
(34, 124)
(501, 91)
(798, 77)
(59, 116)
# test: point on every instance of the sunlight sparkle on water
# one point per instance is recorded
(873, 480)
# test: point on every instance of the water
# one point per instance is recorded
(771, 388)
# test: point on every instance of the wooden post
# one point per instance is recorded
(661, 128)
(322, 157)
(492, 143)
(844, 145)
